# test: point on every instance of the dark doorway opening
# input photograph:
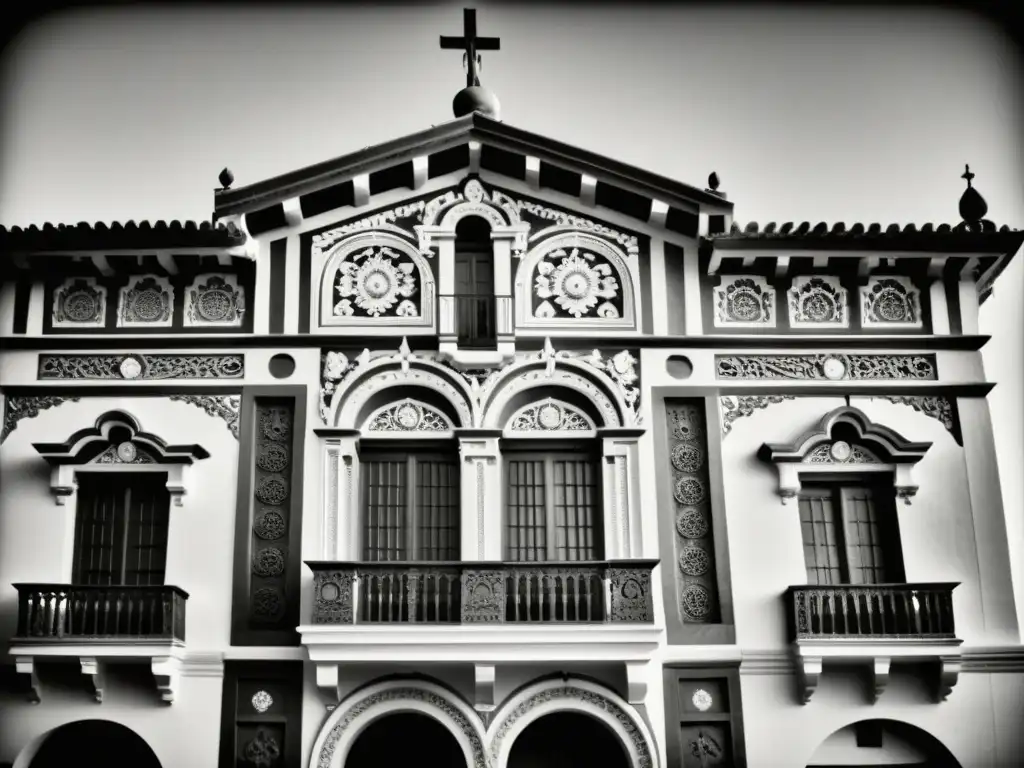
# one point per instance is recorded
(94, 742)
(405, 740)
(567, 740)
(474, 284)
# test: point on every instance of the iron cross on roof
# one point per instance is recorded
(471, 44)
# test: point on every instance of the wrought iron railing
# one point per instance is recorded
(482, 592)
(74, 612)
(893, 611)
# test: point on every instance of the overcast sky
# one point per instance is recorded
(810, 114)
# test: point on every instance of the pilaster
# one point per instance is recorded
(340, 497)
(480, 494)
(36, 308)
(691, 296)
(261, 290)
(968, 307)
(623, 534)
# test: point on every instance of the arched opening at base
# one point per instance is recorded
(887, 743)
(94, 742)
(567, 740)
(405, 740)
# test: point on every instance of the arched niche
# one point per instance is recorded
(882, 742)
(845, 440)
(92, 742)
(570, 694)
(374, 281)
(576, 280)
(366, 705)
(388, 380)
(117, 443)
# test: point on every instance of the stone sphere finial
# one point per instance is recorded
(713, 181)
(476, 98)
(972, 205)
(225, 178)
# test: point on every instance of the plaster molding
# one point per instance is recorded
(131, 367)
(735, 407)
(827, 367)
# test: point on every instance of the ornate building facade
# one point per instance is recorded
(479, 446)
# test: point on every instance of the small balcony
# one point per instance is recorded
(98, 623)
(457, 611)
(475, 324)
(877, 623)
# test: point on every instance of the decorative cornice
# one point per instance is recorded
(223, 406)
(137, 366)
(829, 367)
(736, 407)
(17, 408)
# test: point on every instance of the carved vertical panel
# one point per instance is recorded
(694, 567)
(261, 714)
(274, 445)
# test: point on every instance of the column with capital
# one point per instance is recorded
(340, 505)
(480, 471)
(623, 534)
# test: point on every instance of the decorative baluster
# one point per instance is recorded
(413, 595)
(528, 605)
(378, 583)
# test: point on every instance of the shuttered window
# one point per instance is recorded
(552, 507)
(850, 534)
(121, 529)
(411, 507)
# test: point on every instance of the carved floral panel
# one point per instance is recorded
(744, 301)
(576, 283)
(696, 582)
(818, 302)
(408, 416)
(548, 416)
(79, 303)
(214, 300)
(375, 282)
(147, 301)
(890, 301)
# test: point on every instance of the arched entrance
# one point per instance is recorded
(567, 740)
(882, 742)
(405, 740)
(94, 742)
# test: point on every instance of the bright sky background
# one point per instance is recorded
(813, 114)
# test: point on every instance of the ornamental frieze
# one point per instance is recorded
(214, 300)
(832, 367)
(136, 366)
(736, 407)
(889, 302)
(744, 301)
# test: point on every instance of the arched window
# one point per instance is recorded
(474, 284)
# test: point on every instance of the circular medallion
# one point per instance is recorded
(840, 450)
(267, 603)
(130, 367)
(214, 305)
(692, 523)
(694, 561)
(686, 424)
(549, 416)
(474, 191)
(696, 602)
(408, 416)
(329, 591)
(273, 457)
(689, 491)
(276, 423)
(819, 308)
(262, 701)
(148, 306)
(702, 700)
(81, 306)
(268, 562)
(687, 458)
(576, 285)
(744, 306)
(891, 306)
(376, 284)
(272, 490)
(270, 525)
(127, 452)
(834, 368)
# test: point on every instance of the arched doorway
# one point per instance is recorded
(405, 740)
(888, 743)
(567, 740)
(94, 742)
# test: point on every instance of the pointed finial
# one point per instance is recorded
(225, 178)
(713, 181)
(972, 205)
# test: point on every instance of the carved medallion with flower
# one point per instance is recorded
(80, 301)
(408, 416)
(376, 280)
(818, 302)
(214, 300)
(147, 300)
(889, 301)
(576, 281)
(744, 301)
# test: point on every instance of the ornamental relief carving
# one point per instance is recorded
(375, 282)
(18, 407)
(550, 415)
(214, 300)
(147, 301)
(841, 452)
(890, 301)
(226, 407)
(744, 301)
(736, 407)
(80, 302)
(478, 396)
(408, 416)
(831, 367)
(818, 302)
(137, 366)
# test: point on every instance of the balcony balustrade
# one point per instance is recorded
(74, 613)
(482, 592)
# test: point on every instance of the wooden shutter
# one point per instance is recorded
(385, 487)
(436, 509)
(121, 529)
(821, 544)
(864, 550)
